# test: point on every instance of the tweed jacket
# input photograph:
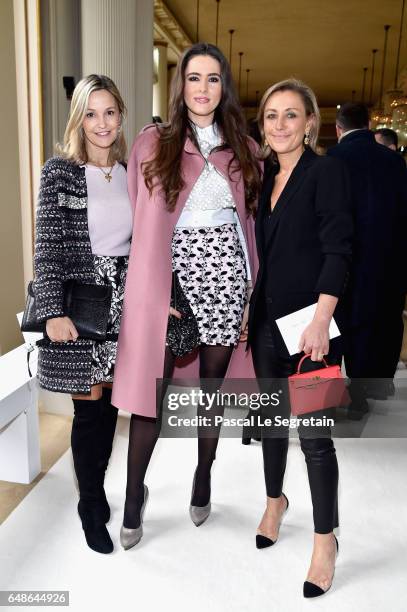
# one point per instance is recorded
(62, 251)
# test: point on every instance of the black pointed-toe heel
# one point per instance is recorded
(313, 590)
(265, 542)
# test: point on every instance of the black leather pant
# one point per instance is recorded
(316, 443)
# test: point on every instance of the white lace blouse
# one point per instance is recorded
(211, 202)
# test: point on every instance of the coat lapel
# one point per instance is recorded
(220, 159)
(192, 165)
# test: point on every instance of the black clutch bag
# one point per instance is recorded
(182, 334)
(87, 305)
(29, 322)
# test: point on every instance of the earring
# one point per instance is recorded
(306, 139)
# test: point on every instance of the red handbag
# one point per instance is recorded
(316, 390)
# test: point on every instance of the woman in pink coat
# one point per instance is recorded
(193, 184)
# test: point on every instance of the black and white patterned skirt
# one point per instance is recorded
(109, 271)
(211, 268)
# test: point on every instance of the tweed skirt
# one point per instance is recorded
(72, 367)
(211, 268)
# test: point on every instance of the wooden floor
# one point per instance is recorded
(55, 439)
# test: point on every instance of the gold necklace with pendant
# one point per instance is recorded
(108, 174)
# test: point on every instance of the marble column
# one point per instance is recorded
(117, 40)
(160, 89)
(171, 73)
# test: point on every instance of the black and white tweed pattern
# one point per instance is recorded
(62, 251)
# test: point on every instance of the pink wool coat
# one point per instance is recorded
(141, 345)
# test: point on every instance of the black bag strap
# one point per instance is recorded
(30, 349)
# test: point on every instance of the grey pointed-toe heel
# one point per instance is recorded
(198, 514)
(130, 537)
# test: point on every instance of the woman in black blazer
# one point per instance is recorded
(303, 234)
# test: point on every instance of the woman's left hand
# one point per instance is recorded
(315, 340)
(245, 321)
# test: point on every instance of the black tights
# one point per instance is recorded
(144, 432)
(316, 443)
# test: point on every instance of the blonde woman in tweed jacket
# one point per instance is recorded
(84, 225)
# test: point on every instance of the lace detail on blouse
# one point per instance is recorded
(211, 191)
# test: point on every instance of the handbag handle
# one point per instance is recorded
(306, 357)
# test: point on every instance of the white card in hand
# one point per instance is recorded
(291, 327)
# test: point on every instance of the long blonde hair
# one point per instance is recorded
(73, 147)
(311, 109)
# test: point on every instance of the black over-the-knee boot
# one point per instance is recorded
(86, 443)
(107, 431)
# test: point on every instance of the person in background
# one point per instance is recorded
(83, 231)
(378, 281)
(387, 137)
(320, 149)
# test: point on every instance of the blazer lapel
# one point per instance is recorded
(263, 209)
(293, 185)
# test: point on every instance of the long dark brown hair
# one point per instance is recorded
(165, 168)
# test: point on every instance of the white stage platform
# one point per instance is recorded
(216, 567)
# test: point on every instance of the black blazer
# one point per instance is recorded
(309, 243)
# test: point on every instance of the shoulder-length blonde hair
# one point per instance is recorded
(311, 110)
(73, 147)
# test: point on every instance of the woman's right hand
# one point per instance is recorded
(176, 313)
(61, 329)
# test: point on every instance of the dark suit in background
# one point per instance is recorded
(378, 280)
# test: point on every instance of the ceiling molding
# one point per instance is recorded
(326, 44)
(167, 29)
